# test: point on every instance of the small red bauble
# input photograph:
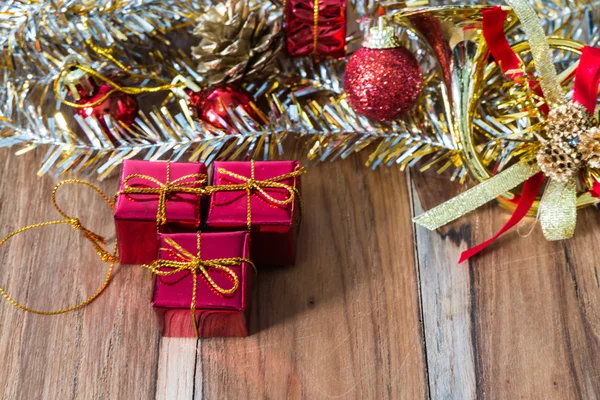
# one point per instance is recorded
(383, 80)
(213, 103)
(120, 106)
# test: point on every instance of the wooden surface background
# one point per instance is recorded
(374, 309)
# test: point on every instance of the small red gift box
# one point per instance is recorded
(271, 206)
(324, 37)
(152, 197)
(224, 279)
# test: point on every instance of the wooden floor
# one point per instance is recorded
(374, 309)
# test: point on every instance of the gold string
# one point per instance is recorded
(250, 184)
(196, 265)
(315, 26)
(163, 189)
(97, 241)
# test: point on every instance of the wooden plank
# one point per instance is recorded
(107, 350)
(527, 309)
(344, 322)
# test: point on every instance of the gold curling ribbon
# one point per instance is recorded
(558, 210)
(96, 240)
(477, 196)
(163, 189)
(250, 184)
(197, 266)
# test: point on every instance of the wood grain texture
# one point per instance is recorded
(343, 323)
(521, 320)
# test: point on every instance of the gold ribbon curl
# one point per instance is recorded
(197, 266)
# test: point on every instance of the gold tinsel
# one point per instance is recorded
(236, 41)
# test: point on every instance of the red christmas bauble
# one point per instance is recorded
(382, 84)
(120, 106)
(212, 103)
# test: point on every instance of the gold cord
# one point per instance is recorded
(163, 189)
(250, 184)
(315, 26)
(96, 240)
(196, 265)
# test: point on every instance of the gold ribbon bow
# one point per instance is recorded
(250, 184)
(197, 266)
(164, 189)
(96, 240)
(558, 213)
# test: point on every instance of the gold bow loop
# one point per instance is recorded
(96, 240)
(250, 184)
(197, 266)
(164, 189)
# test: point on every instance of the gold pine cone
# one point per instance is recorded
(236, 42)
(589, 147)
(568, 121)
(558, 160)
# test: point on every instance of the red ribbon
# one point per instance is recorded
(531, 187)
(587, 78)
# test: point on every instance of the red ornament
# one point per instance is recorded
(383, 80)
(120, 106)
(212, 104)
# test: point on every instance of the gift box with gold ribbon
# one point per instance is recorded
(203, 285)
(262, 197)
(156, 197)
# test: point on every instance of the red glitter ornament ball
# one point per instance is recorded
(382, 84)
(211, 104)
(120, 106)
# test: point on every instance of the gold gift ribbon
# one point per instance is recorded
(250, 184)
(315, 26)
(197, 266)
(558, 206)
(164, 189)
(477, 196)
(96, 240)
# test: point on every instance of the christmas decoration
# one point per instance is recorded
(315, 27)
(156, 196)
(264, 198)
(383, 80)
(209, 275)
(555, 156)
(213, 104)
(237, 42)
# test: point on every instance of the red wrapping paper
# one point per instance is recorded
(274, 227)
(330, 30)
(217, 315)
(135, 214)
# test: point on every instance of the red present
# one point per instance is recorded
(324, 35)
(155, 197)
(215, 268)
(264, 195)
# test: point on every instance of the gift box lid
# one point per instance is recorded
(180, 207)
(230, 208)
(175, 291)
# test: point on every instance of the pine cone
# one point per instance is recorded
(558, 160)
(568, 121)
(589, 147)
(236, 42)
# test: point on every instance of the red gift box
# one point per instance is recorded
(274, 212)
(146, 189)
(222, 305)
(324, 37)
